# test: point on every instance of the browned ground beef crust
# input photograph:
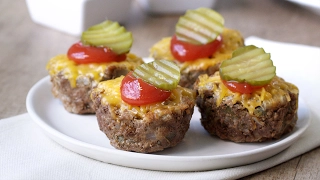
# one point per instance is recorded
(234, 123)
(77, 100)
(154, 131)
(188, 79)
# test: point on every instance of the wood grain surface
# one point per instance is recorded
(25, 48)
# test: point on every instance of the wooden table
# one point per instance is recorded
(26, 47)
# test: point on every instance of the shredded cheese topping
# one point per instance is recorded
(231, 41)
(277, 91)
(110, 94)
(71, 70)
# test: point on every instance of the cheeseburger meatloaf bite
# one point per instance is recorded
(199, 45)
(142, 112)
(245, 101)
(102, 54)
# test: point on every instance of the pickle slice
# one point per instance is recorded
(199, 26)
(163, 74)
(108, 34)
(248, 64)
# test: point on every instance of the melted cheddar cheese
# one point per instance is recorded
(231, 41)
(110, 95)
(70, 70)
(277, 91)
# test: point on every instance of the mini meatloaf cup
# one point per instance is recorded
(266, 114)
(147, 128)
(72, 83)
(231, 40)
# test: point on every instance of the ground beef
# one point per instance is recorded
(187, 79)
(153, 131)
(77, 100)
(234, 122)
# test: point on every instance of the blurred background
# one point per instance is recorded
(33, 31)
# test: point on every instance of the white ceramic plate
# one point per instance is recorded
(198, 151)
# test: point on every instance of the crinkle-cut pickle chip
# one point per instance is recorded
(108, 34)
(163, 74)
(248, 64)
(199, 26)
